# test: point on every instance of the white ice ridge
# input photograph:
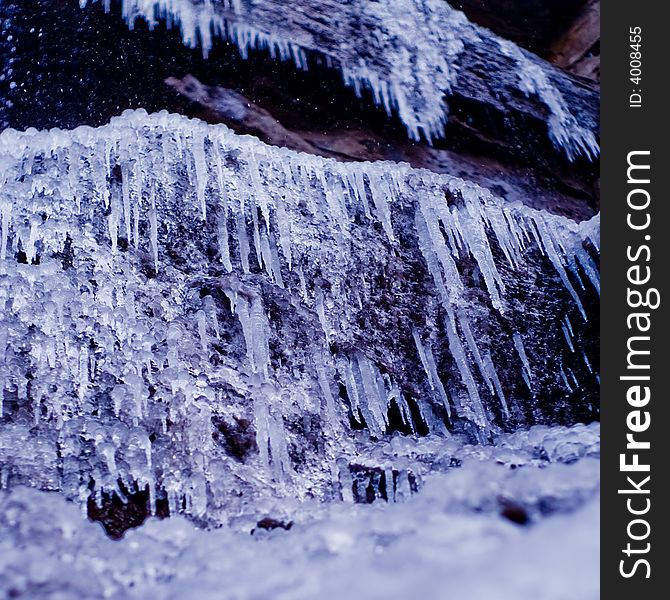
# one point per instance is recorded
(147, 247)
(414, 62)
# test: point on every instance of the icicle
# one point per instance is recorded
(358, 183)
(136, 224)
(30, 244)
(153, 228)
(472, 346)
(252, 317)
(390, 486)
(396, 395)
(83, 373)
(260, 194)
(224, 248)
(521, 351)
(270, 437)
(3, 362)
(321, 313)
(257, 237)
(352, 390)
(590, 269)
(552, 253)
(125, 192)
(506, 236)
(73, 179)
(474, 407)
(430, 368)
(345, 481)
(484, 363)
(218, 162)
(565, 380)
(325, 389)
(270, 258)
(200, 161)
(242, 238)
(473, 232)
(210, 308)
(277, 442)
(375, 395)
(492, 374)
(284, 230)
(6, 213)
(568, 337)
(572, 375)
(276, 264)
(431, 243)
(180, 149)
(113, 222)
(381, 196)
(202, 330)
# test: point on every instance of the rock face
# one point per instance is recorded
(578, 49)
(532, 24)
(227, 105)
(175, 294)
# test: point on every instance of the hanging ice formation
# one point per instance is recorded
(163, 282)
(564, 129)
(411, 66)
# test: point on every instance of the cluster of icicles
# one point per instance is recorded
(421, 40)
(88, 195)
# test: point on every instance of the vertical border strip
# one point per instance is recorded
(635, 273)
